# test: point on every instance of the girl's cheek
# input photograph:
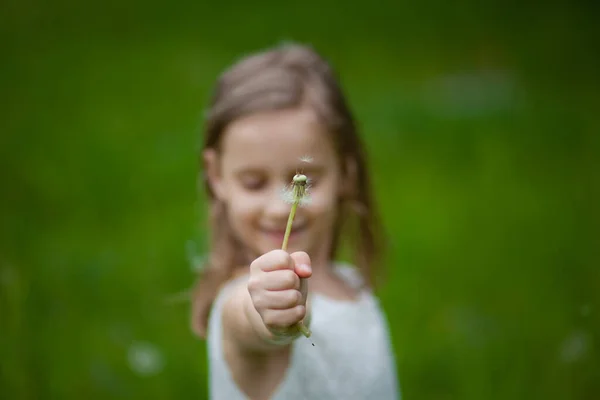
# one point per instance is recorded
(322, 198)
(248, 207)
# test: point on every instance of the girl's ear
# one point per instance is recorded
(212, 172)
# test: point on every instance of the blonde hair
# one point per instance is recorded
(285, 77)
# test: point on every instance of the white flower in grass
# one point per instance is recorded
(145, 359)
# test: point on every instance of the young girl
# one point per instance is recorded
(274, 114)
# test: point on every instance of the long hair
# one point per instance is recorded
(286, 77)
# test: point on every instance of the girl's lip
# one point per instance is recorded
(279, 233)
(282, 230)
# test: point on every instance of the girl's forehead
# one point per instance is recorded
(277, 137)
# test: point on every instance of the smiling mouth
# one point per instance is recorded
(277, 234)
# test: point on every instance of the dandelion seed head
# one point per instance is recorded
(298, 191)
(306, 159)
(300, 179)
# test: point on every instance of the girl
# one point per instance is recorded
(269, 112)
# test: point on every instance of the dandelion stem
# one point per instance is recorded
(288, 228)
(299, 191)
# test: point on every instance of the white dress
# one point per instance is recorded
(352, 357)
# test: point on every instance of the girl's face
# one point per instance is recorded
(260, 155)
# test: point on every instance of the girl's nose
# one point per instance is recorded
(276, 206)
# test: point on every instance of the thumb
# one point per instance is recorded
(303, 269)
(302, 265)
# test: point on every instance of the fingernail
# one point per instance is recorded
(306, 267)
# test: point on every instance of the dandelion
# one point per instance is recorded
(296, 195)
(289, 195)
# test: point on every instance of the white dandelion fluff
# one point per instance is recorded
(287, 195)
(297, 191)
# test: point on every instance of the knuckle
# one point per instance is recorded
(290, 279)
(289, 299)
(255, 265)
(280, 257)
(253, 284)
(271, 321)
(299, 313)
(295, 298)
(259, 303)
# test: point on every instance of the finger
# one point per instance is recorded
(283, 319)
(273, 261)
(280, 280)
(279, 300)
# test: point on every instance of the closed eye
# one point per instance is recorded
(252, 182)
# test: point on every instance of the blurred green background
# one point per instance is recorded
(482, 123)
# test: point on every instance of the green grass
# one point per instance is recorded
(489, 190)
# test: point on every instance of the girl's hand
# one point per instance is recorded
(278, 289)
